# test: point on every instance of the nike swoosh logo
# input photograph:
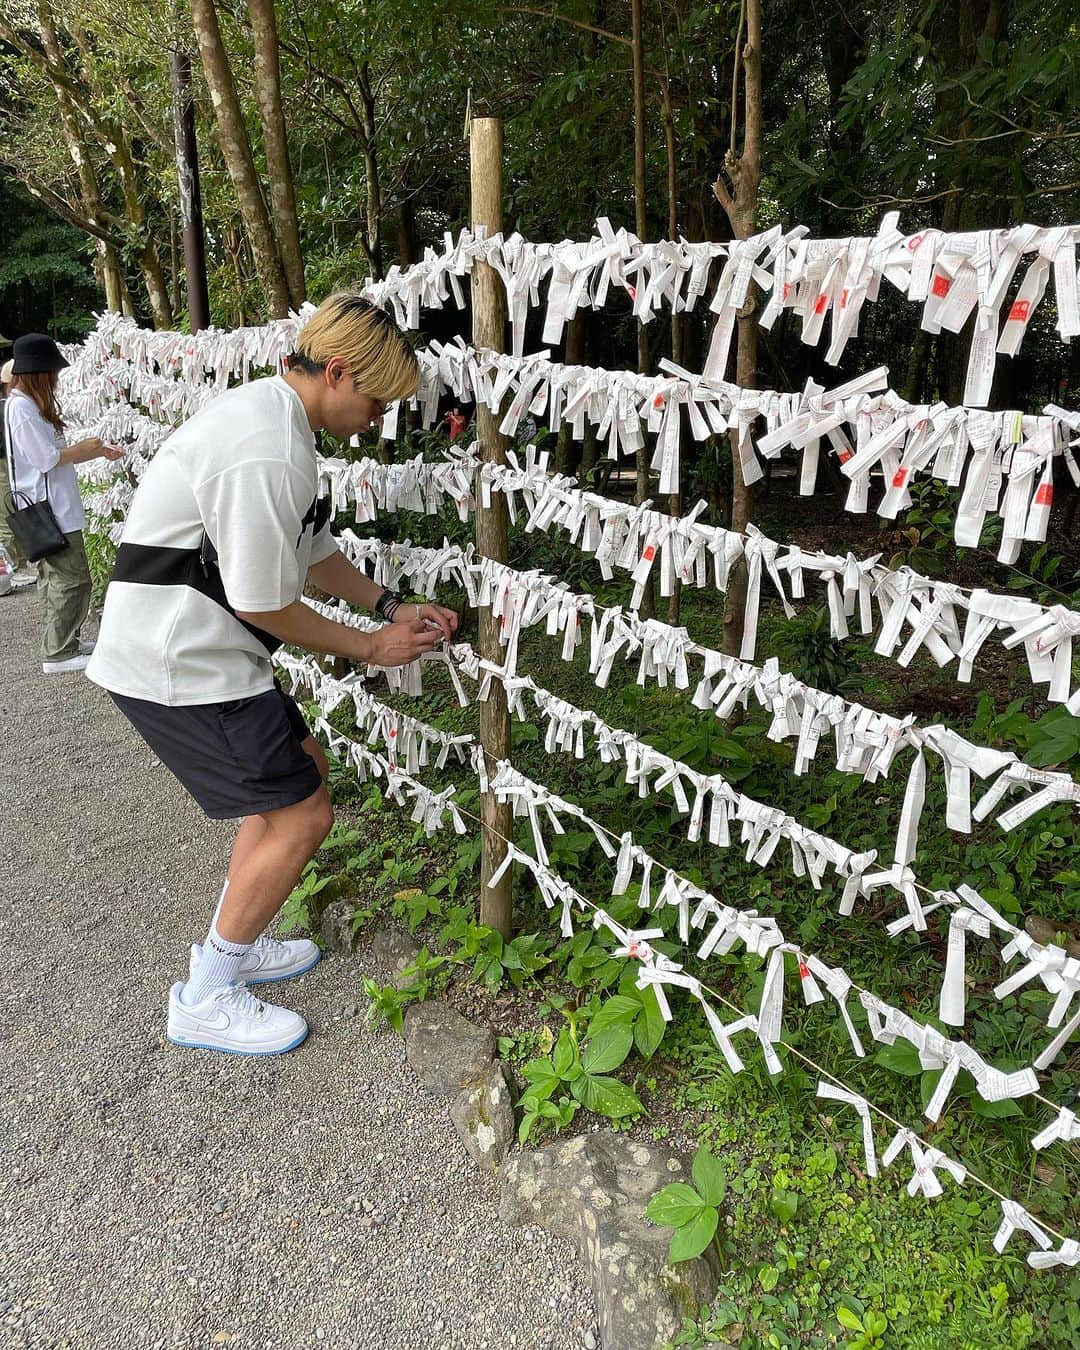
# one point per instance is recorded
(219, 1021)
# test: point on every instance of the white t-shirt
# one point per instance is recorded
(33, 449)
(242, 475)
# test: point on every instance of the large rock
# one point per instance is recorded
(483, 1115)
(445, 1049)
(396, 950)
(593, 1189)
(336, 927)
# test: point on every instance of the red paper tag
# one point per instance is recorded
(804, 970)
(658, 401)
(820, 303)
(899, 477)
(845, 455)
(631, 292)
(914, 242)
(843, 297)
(941, 285)
(787, 289)
(649, 554)
(1020, 310)
(1045, 495)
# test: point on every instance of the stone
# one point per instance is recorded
(483, 1115)
(335, 927)
(1046, 932)
(446, 1050)
(396, 950)
(594, 1189)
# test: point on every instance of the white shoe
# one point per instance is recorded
(270, 960)
(73, 663)
(235, 1021)
(86, 648)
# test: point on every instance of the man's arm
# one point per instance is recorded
(395, 644)
(338, 577)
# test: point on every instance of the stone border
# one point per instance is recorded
(591, 1189)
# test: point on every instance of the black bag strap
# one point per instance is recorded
(13, 473)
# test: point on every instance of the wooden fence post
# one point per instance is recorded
(489, 330)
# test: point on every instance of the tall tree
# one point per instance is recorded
(134, 228)
(276, 146)
(236, 150)
(739, 198)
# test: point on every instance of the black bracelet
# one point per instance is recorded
(388, 604)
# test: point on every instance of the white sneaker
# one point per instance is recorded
(72, 663)
(86, 648)
(235, 1021)
(270, 960)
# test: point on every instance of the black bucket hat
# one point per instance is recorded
(35, 353)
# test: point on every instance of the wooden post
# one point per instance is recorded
(187, 174)
(489, 330)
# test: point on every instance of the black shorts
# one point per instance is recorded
(236, 759)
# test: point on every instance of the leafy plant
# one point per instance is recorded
(869, 1328)
(692, 1211)
(808, 649)
(581, 1069)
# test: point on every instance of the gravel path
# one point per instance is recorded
(153, 1196)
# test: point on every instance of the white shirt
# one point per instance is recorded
(33, 452)
(241, 474)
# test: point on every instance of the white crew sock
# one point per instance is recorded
(218, 964)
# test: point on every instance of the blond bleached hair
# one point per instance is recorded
(366, 339)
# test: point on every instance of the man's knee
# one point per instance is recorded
(318, 817)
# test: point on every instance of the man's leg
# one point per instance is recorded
(253, 828)
(270, 866)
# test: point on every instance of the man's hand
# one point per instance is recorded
(435, 616)
(400, 642)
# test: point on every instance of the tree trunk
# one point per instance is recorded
(88, 185)
(189, 191)
(641, 226)
(740, 204)
(489, 330)
(236, 150)
(567, 450)
(408, 250)
(371, 237)
(279, 172)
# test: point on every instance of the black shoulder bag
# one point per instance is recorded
(33, 524)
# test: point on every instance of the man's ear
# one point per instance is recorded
(336, 371)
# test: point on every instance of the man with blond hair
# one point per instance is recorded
(225, 530)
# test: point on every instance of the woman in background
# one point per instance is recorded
(42, 467)
(8, 540)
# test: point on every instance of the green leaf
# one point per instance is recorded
(606, 1096)
(649, 1028)
(847, 1318)
(617, 1009)
(608, 1050)
(692, 1239)
(675, 1205)
(784, 1204)
(901, 1057)
(542, 1077)
(564, 1054)
(710, 1176)
(768, 1277)
(995, 1110)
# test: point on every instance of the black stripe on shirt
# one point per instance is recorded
(155, 565)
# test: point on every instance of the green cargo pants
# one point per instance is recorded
(6, 537)
(64, 586)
